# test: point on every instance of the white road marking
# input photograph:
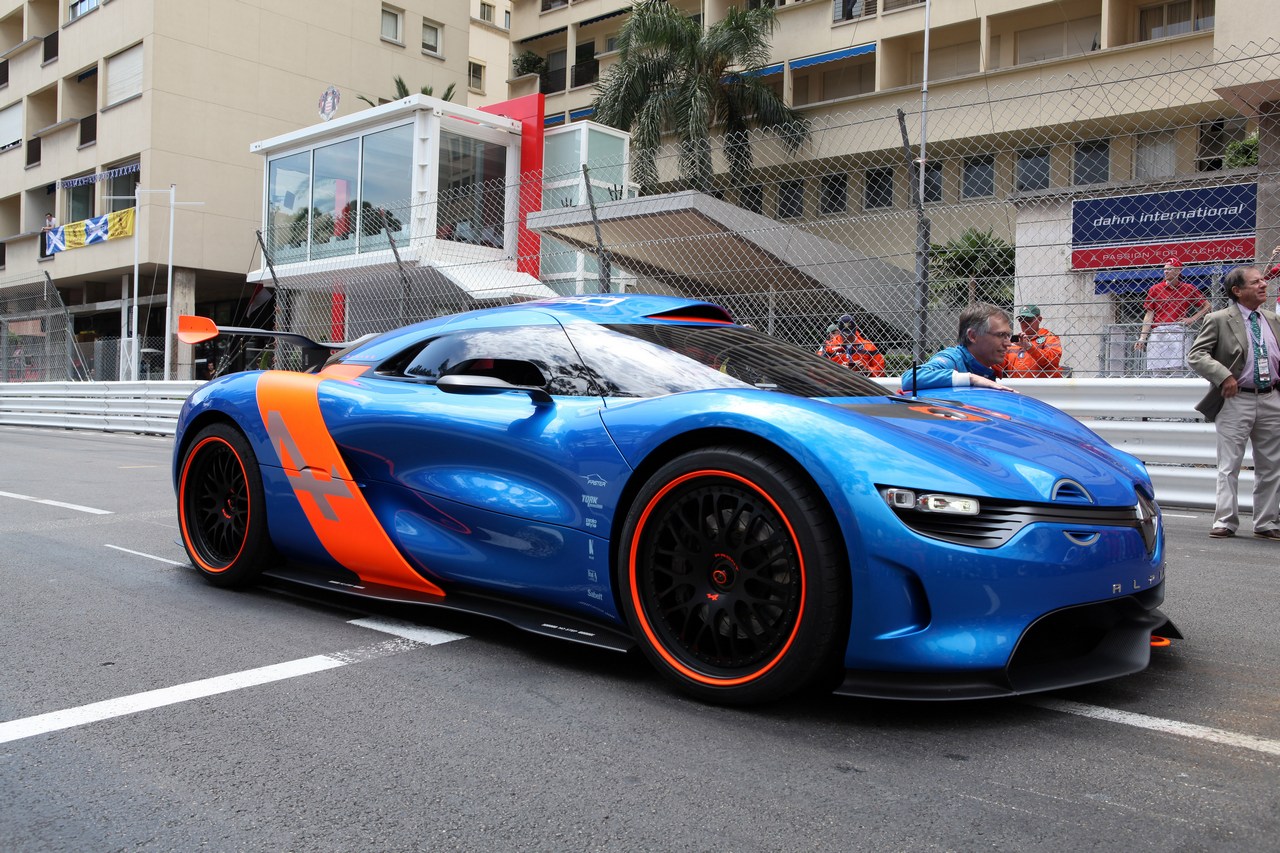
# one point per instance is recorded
(1159, 724)
(408, 630)
(58, 720)
(98, 711)
(76, 507)
(149, 556)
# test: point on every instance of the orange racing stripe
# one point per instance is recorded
(336, 510)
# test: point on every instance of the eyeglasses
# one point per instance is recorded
(1004, 336)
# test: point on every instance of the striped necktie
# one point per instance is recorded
(1261, 363)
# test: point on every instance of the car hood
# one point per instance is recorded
(1017, 447)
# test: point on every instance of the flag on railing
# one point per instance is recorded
(97, 229)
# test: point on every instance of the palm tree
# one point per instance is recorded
(402, 91)
(975, 266)
(675, 76)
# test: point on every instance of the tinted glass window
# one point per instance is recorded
(528, 355)
(652, 360)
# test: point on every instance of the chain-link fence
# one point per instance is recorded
(36, 343)
(1068, 193)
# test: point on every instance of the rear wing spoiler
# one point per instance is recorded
(193, 329)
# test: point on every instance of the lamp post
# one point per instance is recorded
(134, 350)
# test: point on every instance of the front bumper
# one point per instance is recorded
(1068, 647)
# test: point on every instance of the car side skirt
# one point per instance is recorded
(526, 618)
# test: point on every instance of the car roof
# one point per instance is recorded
(602, 308)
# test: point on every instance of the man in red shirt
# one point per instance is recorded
(1172, 306)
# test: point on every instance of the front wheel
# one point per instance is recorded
(221, 508)
(734, 577)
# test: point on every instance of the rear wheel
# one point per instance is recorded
(221, 509)
(734, 576)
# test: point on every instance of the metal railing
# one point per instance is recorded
(1152, 419)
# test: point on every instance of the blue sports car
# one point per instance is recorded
(636, 470)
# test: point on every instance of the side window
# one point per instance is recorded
(526, 355)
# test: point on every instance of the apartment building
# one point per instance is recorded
(102, 100)
(1038, 105)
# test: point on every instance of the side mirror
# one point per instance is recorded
(467, 383)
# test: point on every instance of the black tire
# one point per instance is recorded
(221, 508)
(734, 578)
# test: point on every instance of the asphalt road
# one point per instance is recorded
(142, 709)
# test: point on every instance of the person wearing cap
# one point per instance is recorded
(976, 361)
(847, 346)
(1171, 306)
(1036, 352)
(1238, 351)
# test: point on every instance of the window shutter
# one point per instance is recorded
(11, 125)
(124, 75)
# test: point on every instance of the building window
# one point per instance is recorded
(76, 8)
(124, 75)
(79, 201)
(1175, 19)
(835, 194)
(611, 43)
(933, 180)
(1155, 155)
(1031, 171)
(486, 12)
(1092, 162)
(475, 76)
(431, 38)
(790, 199)
(506, 19)
(391, 21)
(751, 198)
(120, 193)
(978, 180)
(11, 126)
(1215, 136)
(877, 190)
(1060, 39)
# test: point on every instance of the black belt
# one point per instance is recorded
(1256, 391)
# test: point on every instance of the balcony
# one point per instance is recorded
(585, 73)
(553, 81)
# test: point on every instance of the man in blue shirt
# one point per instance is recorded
(985, 334)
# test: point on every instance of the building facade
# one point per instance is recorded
(102, 101)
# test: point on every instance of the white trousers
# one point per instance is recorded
(1249, 418)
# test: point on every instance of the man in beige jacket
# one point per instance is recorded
(1238, 351)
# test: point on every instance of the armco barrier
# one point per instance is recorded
(1154, 419)
(145, 407)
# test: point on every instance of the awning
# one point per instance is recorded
(1134, 281)
(578, 115)
(775, 68)
(606, 16)
(554, 32)
(553, 120)
(832, 56)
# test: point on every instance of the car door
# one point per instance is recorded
(490, 488)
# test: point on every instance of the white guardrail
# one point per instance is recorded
(1154, 419)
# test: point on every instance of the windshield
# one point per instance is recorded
(652, 359)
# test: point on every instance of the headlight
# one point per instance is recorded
(932, 502)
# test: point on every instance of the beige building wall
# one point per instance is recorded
(216, 76)
(490, 60)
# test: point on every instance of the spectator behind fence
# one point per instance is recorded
(984, 335)
(1037, 353)
(847, 346)
(1238, 351)
(1172, 305)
